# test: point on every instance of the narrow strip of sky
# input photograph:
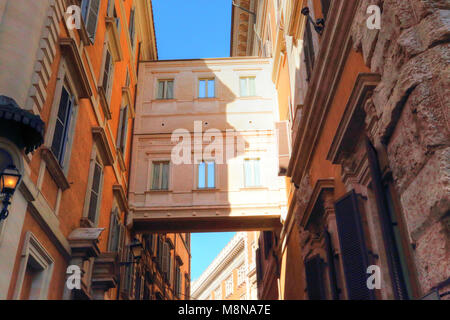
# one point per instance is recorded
(190, 29)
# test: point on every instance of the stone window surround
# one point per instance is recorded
(58, 173)
(35, 250)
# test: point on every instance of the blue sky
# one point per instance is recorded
(189, 29)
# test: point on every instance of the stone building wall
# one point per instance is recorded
(411, 53)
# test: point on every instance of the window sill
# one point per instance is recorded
(164, 100)
(254, 188)
(55, 169)
(205, 190)
(158, 191)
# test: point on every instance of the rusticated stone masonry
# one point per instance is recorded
(412, 54)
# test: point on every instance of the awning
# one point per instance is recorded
(25, 129)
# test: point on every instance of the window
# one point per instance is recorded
(165, 89)
(89, 12)
(206, 88)
(62, 127)
(122, 135)
(160, 176)
(35, 271)
(248, 86)
(229, 286)
(241, 274)
(107, 74)
(325, 7)
(218, 293)
(95, 192)
(178, 282)
(187, 289)
(252, 172)
(308, 49)
(132, 27)
(116, 232)
(206, 175)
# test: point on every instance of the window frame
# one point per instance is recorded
(159, 162)
(86, 5)
(206, 187)
(248, 93)
(255, 185)
(165, 90)
(206, 93)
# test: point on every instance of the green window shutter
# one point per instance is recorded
(62, 126)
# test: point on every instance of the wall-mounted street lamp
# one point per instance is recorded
(136, 248)
(9, 180)
(319, 25)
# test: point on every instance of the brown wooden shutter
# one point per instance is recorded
(132, 27)
(92, 18)
(398, 281)
(353, 247)
(120, 248)
(325, 7)
(308, 48)
(124, 138)
(165, 258)
(267, 236)
(314, 269)
(258, 264)
(331, 266)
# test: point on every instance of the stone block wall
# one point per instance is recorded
(411, 52)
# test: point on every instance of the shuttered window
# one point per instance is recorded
(332, 274)
(62, 126)
(138, 288)
(258, 264)
(325, 7)
(122, 135)
(132, 27)
(107, 73)
(398, 268)
(89, 12)
(267, 236)
(314, 269)
(353, 247)
(178, 282)
(308, 49)
(115, 232)
(94, 200)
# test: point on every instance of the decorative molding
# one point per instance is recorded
(321, 186)
(104, 102)
(75, 64)
(114, 41)
(336, 43)
(120, 194)
(353, 119)
(54, 169)
(105, 149)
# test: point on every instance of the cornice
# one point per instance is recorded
(336, 43)
(353, 119)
